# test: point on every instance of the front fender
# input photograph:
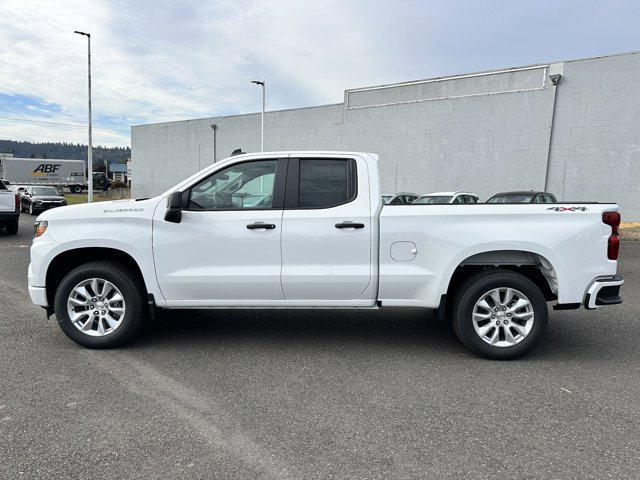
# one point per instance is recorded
(129, 235)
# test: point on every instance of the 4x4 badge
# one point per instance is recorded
(568, 209)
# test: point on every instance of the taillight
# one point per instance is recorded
(17, 202)
(613, 246)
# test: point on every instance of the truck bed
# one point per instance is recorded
(568, 239)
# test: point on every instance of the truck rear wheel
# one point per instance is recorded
(100, 305)
(500, 314)
(12, 228)
(75, 189)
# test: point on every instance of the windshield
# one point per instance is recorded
(45, 191)
(2, 186)
(434, 200)
(524, 198)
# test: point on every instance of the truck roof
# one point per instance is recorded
(11, 159)
(293, 153)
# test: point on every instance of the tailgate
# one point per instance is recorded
(7, 201)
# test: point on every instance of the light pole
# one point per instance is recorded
(261, 83)
(89, 147)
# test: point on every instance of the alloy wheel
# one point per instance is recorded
(96, 307)
(503, 317)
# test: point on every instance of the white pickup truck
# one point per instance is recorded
(9, 209)
(308, 230)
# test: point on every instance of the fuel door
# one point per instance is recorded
(403, 251)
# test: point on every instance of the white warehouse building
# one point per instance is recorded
(571, 128)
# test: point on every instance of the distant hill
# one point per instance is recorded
(73, 151)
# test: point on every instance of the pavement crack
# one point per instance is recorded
(202, 413)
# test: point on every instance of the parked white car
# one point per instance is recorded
(443, 198)
(400, 198)
(320, 238)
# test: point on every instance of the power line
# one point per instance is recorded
(59, 124)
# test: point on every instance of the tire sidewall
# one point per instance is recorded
(498, 280)
(129, 290)
(12, 228)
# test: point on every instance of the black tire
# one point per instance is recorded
(12, 228)
(134, 296)
(76, 189)
(473, 289)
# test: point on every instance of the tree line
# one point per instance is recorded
(71, 151)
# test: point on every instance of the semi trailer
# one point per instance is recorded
(58, 172)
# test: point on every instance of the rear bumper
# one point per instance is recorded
(9, 217)
(603, 292)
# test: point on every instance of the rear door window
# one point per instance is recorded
(326, 182)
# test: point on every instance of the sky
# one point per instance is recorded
(156, 61)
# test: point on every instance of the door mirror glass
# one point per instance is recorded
(174, 208)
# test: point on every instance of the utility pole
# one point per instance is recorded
(90, 146)
(214, 127)
(261, 83)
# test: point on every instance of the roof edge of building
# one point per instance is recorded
(224, 117)
(389, 85)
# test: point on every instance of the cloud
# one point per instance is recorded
(156, 61)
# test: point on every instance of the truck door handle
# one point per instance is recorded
(256, 225)
(349, 225)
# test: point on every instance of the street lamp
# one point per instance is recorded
(89, 147)
(261, 83)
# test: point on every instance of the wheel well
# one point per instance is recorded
(533, 266)
(61, 265)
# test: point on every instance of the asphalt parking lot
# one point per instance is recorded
(315, 394)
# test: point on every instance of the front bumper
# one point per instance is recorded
(603, 292)
(47, 205)
(38, 296)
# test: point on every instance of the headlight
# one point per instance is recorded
(40, 228)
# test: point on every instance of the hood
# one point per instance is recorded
(103, 210)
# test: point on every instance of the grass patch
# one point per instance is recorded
(630, 230)
(76, 198)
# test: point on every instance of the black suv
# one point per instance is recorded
(39, 199)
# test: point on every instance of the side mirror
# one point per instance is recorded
(174, 208)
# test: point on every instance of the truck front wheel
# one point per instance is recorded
(500, 314)
(100, 305)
